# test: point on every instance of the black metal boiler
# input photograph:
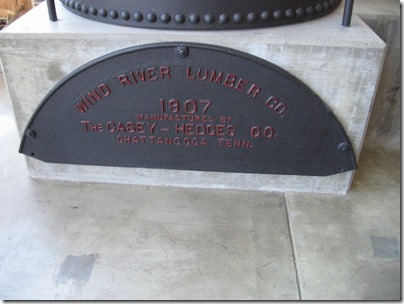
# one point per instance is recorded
(202, 15)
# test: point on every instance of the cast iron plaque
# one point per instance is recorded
(188, 107)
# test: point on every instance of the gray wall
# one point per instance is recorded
(383, 17)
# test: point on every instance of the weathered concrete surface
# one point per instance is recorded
(383, 17)
(65, 241)
(348, 248)
(119, 242)
(320, 53)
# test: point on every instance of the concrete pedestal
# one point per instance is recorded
(342, 65)
(384, 18)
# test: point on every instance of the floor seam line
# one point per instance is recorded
(292, 243)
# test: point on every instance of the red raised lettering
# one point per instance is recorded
(254, 90)
(189, 76)
(133, 77)
(123, 79)
(205, 76)
(81, 106)
(191, 106)
(273, 103)
(231, 130)
(141, 75)
(84, 99)
(165, 72)
(216, 78)
(230, 79)
(121, 127)
(240, 86)
(94, 95)
(207, 104)
(85, 123)
(269, 132)
(255, 131)
(220, 130)
(104, 89)
(151, 73)
(111, 126)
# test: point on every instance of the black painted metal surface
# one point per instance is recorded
(188, 107)
(52, 10)
(348, 8)
(201, 15)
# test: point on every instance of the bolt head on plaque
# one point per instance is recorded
(201, 15)
(182, 51)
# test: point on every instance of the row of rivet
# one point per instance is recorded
(207, 18)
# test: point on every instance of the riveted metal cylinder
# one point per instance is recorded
(201, 15)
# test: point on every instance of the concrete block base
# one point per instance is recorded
(384, 18)
(342, 65)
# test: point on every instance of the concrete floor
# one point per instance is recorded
(101, 241)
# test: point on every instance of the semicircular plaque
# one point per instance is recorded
(188, 107)
(201, 15)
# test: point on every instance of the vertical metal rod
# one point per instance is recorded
(52, 10)
(346, 21)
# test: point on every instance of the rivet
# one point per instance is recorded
(300, 11)
(344, 147)
(277, 14)
(182, 51)
(326, 6)
(30, 133)
(138, 16)
(331, 3)
(165, 18)
(179, 18)
(125, 15)
(194, 18)
(103, 12)
(289, 13)
(77, 6)
(223, 19)
(93, 10)
(318, 8)
(72, 4)
(265, 16)
(209, 18)
(309, 10)
(113, 13)
(151, 17)
(84, 9)
(237, 18)
(251, 17)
